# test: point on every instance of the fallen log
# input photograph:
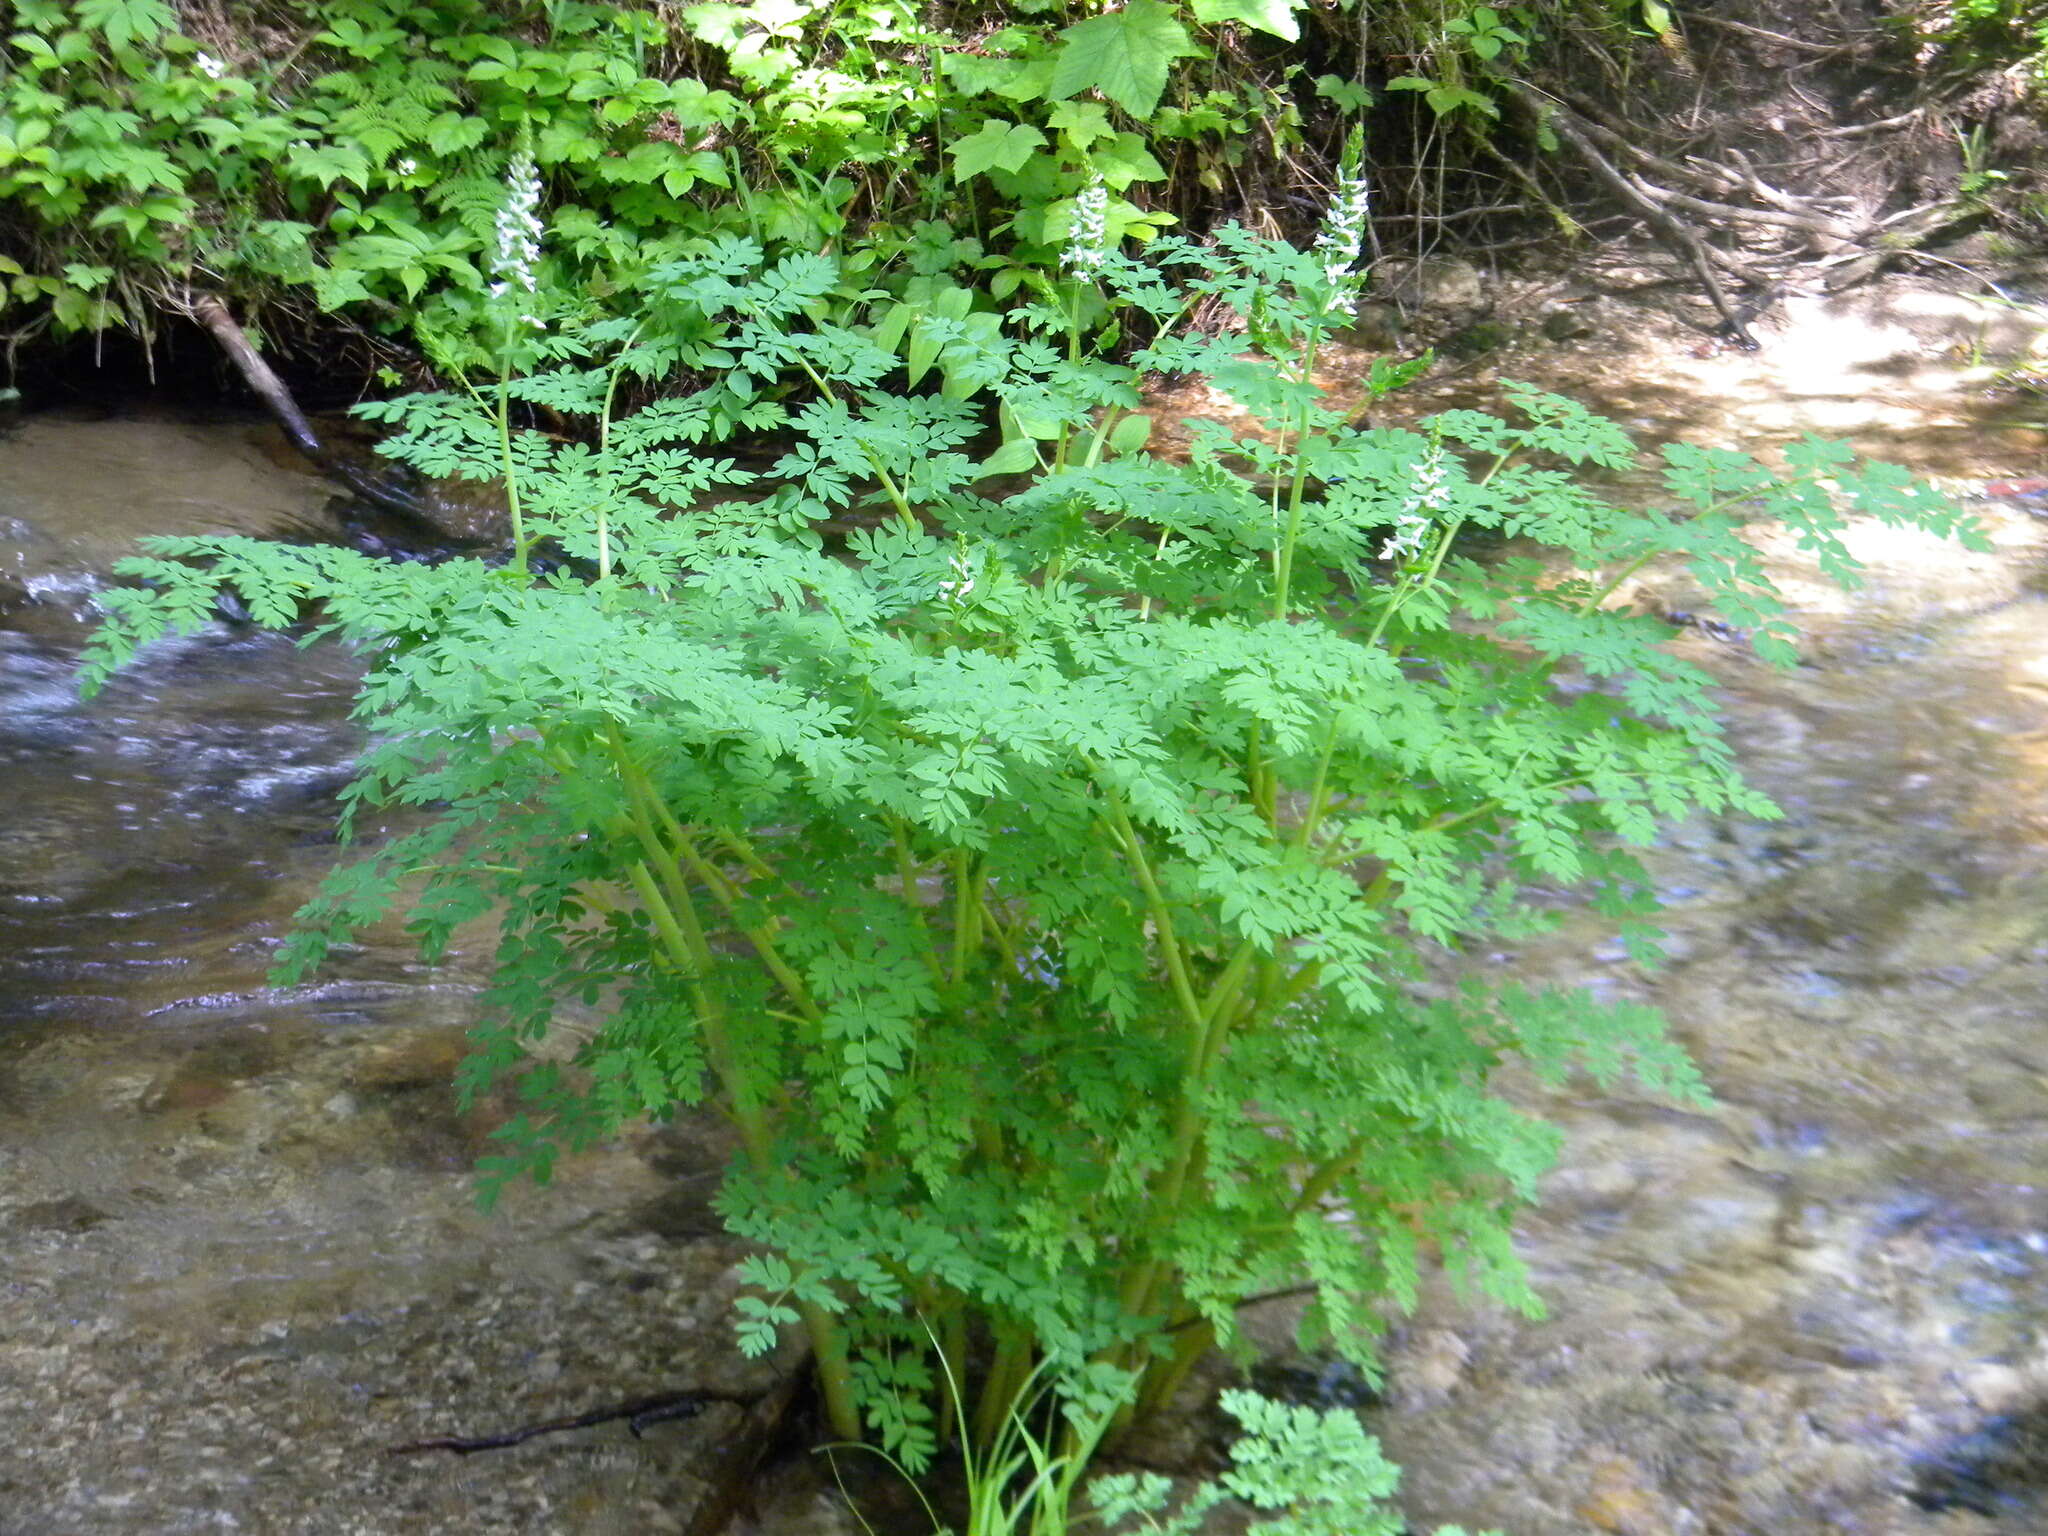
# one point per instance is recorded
(264, 383)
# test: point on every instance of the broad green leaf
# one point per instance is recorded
(1132, 433)
(1125, 159)
(1348, 95)
(1126, 54)
(1080, 123)
(1274, 16)
(996, 146)
(1013, 458)
(1445, 99)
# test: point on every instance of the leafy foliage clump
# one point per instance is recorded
(344, 155)
(1050, 887)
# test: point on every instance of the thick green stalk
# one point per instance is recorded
(1192, 1338)
(966, 912)
(1283, 577)
(1162, 916)
(503, 413)
(1007, 1373)
(906, 877)
(677, 922)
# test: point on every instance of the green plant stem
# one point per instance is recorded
(985, 918)
(648, 808)
(966, 912)
(1323, 1178)
(1155, 900)
(1193, 1337)
(604, 435)
(1007, 1373)
(1318, 805)
(888, 481)
(906, 877)
(503, 413)
(677, 921)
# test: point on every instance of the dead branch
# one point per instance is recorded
(1900, 235)
(1858, 130)
(262, 379)
(259, 376)
(1619, 137)
(1791, 212)
(1776, 197)
(1796, 44)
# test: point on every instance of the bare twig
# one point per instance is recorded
(1796, 44)
(1791, 212)
(1858, 130)
(638, 1414)
(1449, 214)
(1811, 223)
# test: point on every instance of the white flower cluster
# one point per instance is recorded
(408, 167)
(1428, 494)
(519, 232)
(1088, 230)
(1040, 967)
(1342, 238)
(209, 66)
(961, 586)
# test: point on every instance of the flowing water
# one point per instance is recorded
(238, 1251)
(237, 1257)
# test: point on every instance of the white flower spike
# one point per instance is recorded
(1428, 494)
(1088, 230)
(961, 587)
(1342, 238)
(519, 233)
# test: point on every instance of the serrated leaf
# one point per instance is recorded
(1127, 55)
(1080, 123)
(997, 145)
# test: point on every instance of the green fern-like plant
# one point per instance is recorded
(1049, 888)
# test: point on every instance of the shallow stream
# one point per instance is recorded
(238, 1257)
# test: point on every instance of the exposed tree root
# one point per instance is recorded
(1669, 228)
